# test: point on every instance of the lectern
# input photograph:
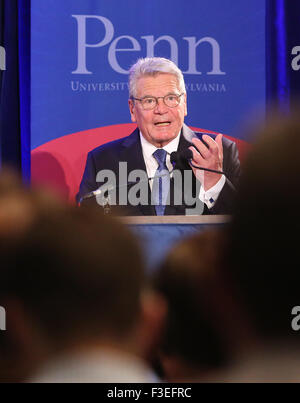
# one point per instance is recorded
(158, 234)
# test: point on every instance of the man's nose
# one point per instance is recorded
(160, 107)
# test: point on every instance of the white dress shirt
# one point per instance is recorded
(150, 162)
(208, 197)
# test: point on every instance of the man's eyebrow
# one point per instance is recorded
(152, 96)
(147, 96)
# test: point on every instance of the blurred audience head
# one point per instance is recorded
(203, 324)
(70, 279)
(263, 256)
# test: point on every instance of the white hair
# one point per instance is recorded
(151, 66)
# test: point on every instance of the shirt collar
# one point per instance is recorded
(148, 148)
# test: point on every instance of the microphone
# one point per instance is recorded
(99, 191)
(89, 195)
(176, 158)
(186, 155)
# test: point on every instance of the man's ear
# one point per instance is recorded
(132, 110)
(151, 323)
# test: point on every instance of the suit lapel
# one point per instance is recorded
(185, 142)
(133, 154)
(186, 138)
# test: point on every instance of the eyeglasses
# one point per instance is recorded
(170, 100)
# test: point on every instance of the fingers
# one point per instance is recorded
(197, 157)
(220, 144)
(207, 156)
(212, 144)
(201, 147)
(215, 147)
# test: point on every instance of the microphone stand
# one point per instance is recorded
(174, 157)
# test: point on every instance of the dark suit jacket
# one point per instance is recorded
(129, 149)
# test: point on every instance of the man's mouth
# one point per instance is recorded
(161, 124)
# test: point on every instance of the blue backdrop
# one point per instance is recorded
(76, 86)
(63, 102)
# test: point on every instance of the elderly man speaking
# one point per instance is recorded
(155, 170)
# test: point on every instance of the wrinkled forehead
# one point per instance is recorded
(157, 83)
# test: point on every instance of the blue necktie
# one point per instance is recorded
(161, 182)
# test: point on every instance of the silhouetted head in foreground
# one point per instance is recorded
(264, 242)
(203, 320)
(71, 281)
